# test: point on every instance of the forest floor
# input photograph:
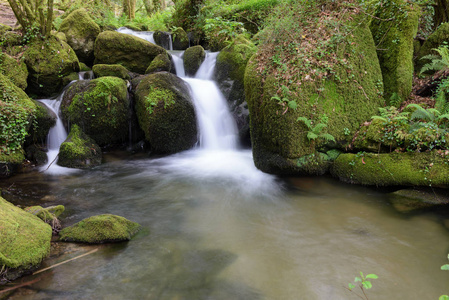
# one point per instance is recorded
(6, 14)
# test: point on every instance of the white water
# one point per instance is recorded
(146, 35)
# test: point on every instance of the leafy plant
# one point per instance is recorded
(437, 62)
(444, 268)
(284, 99)
(363, 283)
(315, 132)
(219, 31)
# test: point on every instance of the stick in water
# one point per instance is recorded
(65, 261)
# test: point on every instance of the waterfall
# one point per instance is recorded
(146, 35)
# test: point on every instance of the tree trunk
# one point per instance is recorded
(441, 8)
(129, 8)
(149, 7)
(21, 18)
(49, 24)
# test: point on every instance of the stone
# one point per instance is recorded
(193, 58)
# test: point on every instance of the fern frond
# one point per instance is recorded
(305, 121)
(442, 117)
(318, 128)
(328, 137)
(379, 118)
(444, 52)
(311, 135)
(420, 113)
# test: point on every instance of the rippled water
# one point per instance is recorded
(232, 232)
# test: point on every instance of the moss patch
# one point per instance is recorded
(15, 70)
(160, 64)
(100, 229)
(436, 39)
(180, 39)
(119, 71)
(193, 58)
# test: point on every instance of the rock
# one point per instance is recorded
(133, 53)
(100, 229)
(230, 74)
(15, 70)
(79, 150)
(45, 120)
(406, 201)
(436, 39)
(11, 39)
(49, 215)
(180, 39)
(394, 169)
(161, 63)
(81, 32)
(344, 100)
(119, 71)
(396, 39)
(24, 241)
(193, 58)
(4, 28)
(84, 67)
(61, 36)
(162, 38)
(36, 154)
(166, 113)
(48, 61)
(100, 107)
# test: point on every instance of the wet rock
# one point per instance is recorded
(162, 38)
(180, 39)
(193, 58)
(161, 63)
(102, 70)
(406, 201)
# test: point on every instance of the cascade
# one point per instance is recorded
(146, 35)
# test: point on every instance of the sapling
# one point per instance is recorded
(363, 283)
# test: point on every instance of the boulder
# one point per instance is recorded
(193, 58)
(79, 150)
(161, 63)
(134, 53)
(411, 200)
(394, 169)
(180, 39)
(24, 241)
(15, 70)
(102, 70)
(166, 113)
(48, 61)
(45, 119)
(163, 39)
(81, 32)
(396, 41)
(100, 107)
(342, 98)
(436, 39)
(230, 74)
(100, 229)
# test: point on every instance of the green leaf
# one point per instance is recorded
(357, 279)
(292, 104)
(367, 285)
(311, 136)
(444, 297)
(351, 286)
(445, 267)
(372, 276)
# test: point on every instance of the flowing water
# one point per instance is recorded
(215, 227)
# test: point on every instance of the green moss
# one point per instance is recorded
(133, 53)
(180, 39)
(159, 64)
(15, 70)
(100, 229)
(436, 39)
(393, 169)
(4, 28)
(100, 108)
(119, 71)
(395, 41)
(24, 238)
(79, 150)
(193, 58)
(84, 67)
(46, 214)
(44, 120)
(69, 78)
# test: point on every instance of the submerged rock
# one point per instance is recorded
(166, 113)
(100, 229)
(102, 70)
(193, 58)
(406, 201)
(133, 53)
(24, 241)
(79, 150)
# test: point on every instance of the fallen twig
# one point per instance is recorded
(66, 261)
(20, 285)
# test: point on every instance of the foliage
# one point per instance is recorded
(33, 14)
(363, 283)
(437, 62)
(315, 132)
(445, 268)
(219, 32)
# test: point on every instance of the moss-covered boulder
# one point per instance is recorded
(163, 39)
(180, 39)
(81, 32)
(411, 200)
(100, 229)
(395, 40)
(17, 112)
(11, 39)
(24, 241)
(341, 90)
(100, 107)
(15, 70)
(133, 53)
(4, 28)
(166, 113)
(394, 169)
(45, 119)
(436, 39)
(161, 63)
(193, 58)
(79, 150)
(230, 74)
(48, 61)
(102, 70)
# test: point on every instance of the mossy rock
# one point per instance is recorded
(162, 38)
(37, 154)
(11, 39)
(133, 53)
(406, 201)
(180, 39)
(436, 39)
(48, 61)
(61, 36)
(69, 78)
(100, 229)
(46, 214)
(345, 99)
(81, 32)
(102, 70)
(166, 113)
(393, 169)
(45, 119)
(193, 58)
(370, 138)
(230, 74)
(84, 67)
(79, 151)
(100, 107)
(4, 28)
(15, 70)
(24, 240)
(161, 63)
(396, 38)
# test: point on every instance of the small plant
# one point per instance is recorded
(444, 268)
(284, 99)
(363, 283)
(315, 132)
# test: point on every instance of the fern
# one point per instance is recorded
(437, 62)
(442, 95)
(421, 113)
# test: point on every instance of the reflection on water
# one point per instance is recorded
(213, 230)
